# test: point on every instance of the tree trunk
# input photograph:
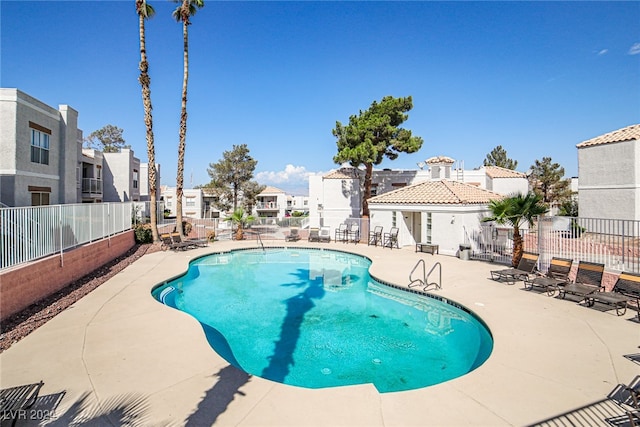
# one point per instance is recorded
(367, 189)
(145, 82)
(517, 247)
(183, 122)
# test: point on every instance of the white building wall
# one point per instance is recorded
(508, 186)
(144, 181)
(448, 223)
(609, 180)
(192, 202)
(18, 174)
(119, 168)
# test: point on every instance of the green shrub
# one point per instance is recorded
(143, 233)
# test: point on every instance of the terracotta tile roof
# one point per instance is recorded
(270, 190)
(438, 193)
(625, 134)
(343, 173)
(498, 172)
(439, 159)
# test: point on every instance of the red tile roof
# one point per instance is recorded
(437, 193)
(629, 133)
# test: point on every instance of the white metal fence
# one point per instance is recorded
(615, 243)
(29, 233)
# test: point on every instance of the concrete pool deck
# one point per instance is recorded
(117, 351)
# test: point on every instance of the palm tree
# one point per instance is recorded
(239, 217)
(183, 13)
(515, 211)
(145, 11)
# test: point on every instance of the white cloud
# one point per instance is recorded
(635, 49)
(603, 52)
(291, 174)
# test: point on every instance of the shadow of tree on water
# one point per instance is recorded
(297, 306)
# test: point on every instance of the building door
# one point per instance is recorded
(413, 220)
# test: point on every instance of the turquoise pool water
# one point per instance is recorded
(315, 318)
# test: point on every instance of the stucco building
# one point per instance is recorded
(609, 175)
(40, 148)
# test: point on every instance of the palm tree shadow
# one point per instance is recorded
(297, 306)
(123, 410)
(219, 397)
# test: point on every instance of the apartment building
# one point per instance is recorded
(42, 161)
(40, 148)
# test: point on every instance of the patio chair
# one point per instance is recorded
(627, 288)
(341, 233)
(588, 280)
(314, 234)
(375, 236)
(325, 234)
(293, 236)
(168, 243)
(526, 266)
(391, 238)
(14, 400)
(353, 233)
(558, 274)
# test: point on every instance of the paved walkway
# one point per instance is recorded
(118, 353)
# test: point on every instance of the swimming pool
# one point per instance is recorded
(315, 318)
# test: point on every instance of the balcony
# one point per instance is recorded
(267, 206)
(91, 187)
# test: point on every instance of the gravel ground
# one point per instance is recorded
(28, 320)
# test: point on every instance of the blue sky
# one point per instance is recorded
(535, 77)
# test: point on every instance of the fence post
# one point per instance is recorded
(61, 245)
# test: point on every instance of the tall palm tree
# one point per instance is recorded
(183, 13)
(516, 211)
(145, 11)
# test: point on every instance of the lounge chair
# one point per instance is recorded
(588, 280)
(168, 243)
(627, 288)
(391, 238)
(341, 233)
(353, 233)
(15, 400)
(189, 243)
(293, 235)
(375, 236)
(558, 274)
(314, 234)
(627, 397)
(526, 266)
(325, 234)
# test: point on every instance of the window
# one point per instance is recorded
(39, 144)
(39, 195)
(393, 219)
(135, 178)
(191, 202)
(429, 227)
(374, 190)
(169, 200)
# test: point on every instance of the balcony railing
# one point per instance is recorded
(92, 186)
(267, 205)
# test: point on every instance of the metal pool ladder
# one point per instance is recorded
(423, 279)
